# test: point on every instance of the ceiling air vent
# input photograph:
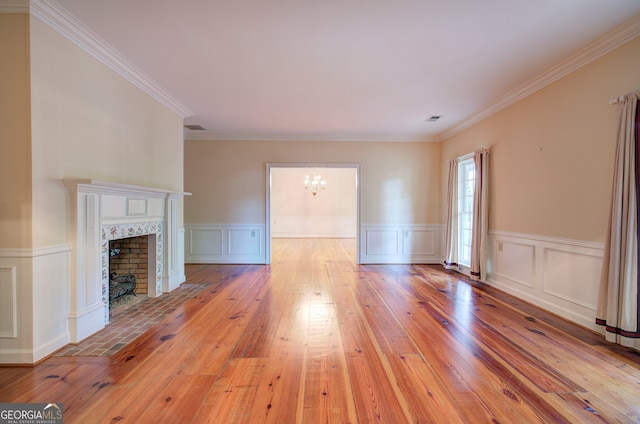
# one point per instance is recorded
(433, 118)
(195, 127)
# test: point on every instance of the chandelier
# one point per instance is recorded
(315, 184)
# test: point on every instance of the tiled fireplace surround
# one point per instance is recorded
(101, 212)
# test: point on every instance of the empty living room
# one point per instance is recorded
(346, 212)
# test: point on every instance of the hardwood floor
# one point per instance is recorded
(314, 338)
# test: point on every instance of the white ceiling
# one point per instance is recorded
(348, 69)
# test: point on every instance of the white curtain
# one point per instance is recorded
(617, 312)
(480, 215)
(451, 228)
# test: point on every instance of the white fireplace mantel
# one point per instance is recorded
(100, 211)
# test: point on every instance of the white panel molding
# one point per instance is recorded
(180, 274)
(173, 255)
(17, 349)
(313, 227)
(519, 268)
(204, 240)
(419, 242)
(232, 243)
(65, 24)
(400, 244)
(50, 287)
(382, 242)
(34, 300)
(8, 302)
(581, 266)
(565, 273)
(136, 207)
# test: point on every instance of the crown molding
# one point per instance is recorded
(14, 6)
(205, 136)
(68, 26)
(626, 32)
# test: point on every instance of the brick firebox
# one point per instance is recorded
(131, 256)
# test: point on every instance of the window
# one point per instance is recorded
(466, 182)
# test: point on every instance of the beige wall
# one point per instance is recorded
(15, 160)
(227, 178)
(552, 153)
(88, 122)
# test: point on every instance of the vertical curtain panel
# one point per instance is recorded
(451, 227)
(480, 216)
(480, 222)
(617, 314)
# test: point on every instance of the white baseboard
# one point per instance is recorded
(17, 356)
(49, 347)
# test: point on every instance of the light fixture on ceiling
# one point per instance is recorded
(314, 185)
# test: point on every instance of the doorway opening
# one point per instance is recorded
(293, 211)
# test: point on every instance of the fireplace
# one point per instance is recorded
(103, 213)
(132, 250)
(128, 270)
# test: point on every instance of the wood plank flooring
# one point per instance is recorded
(315, 338)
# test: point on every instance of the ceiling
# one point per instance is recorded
(350, 69)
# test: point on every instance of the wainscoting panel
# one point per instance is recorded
(402, 244)
(515, 262)
(559, 275)
(244, 242)
(16, 340)
(566, 274)
(34, 302)
(419, 242)
(51, 299)
(382, 242)
(225, 243)
(204, 241)
(313, 227)
(8, 302)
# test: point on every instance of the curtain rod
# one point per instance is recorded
(468, 155)
(619, 99)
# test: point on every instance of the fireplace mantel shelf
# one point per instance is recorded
(104, 187)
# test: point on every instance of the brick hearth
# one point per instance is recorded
(129, 323)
